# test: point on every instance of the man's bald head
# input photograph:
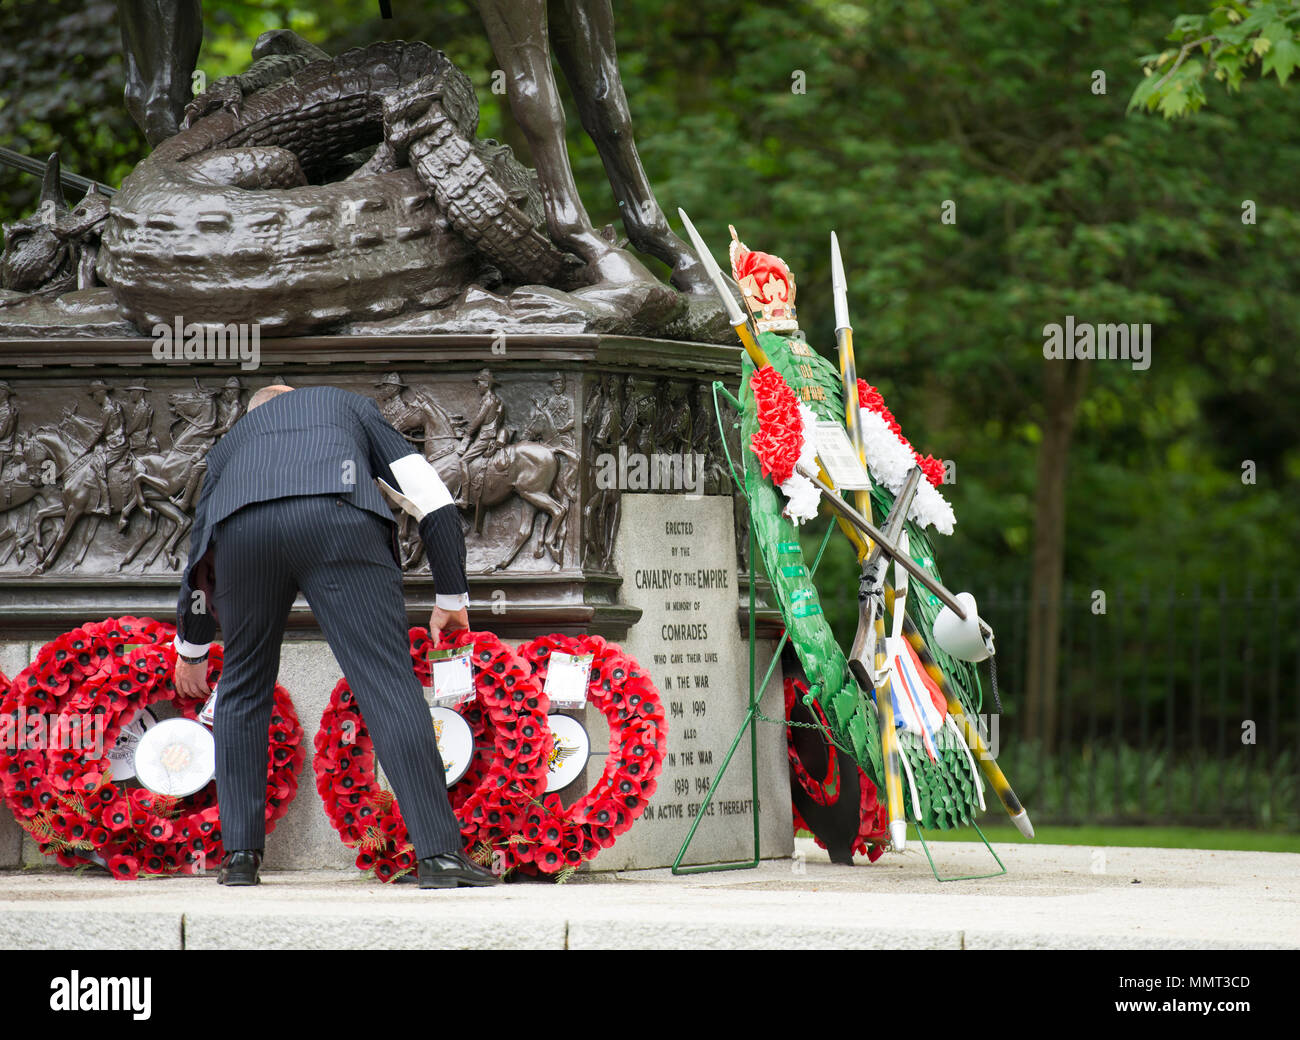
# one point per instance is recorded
(266, 393)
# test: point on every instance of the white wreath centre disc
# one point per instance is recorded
(177, 757)
(121, 757)
(455, 742)
(570, 749)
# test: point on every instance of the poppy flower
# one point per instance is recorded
(549, 859)
(123, 867)
(90, 783)
(65, 858)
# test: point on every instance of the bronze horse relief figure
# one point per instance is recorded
(109, 464)
(484, 467)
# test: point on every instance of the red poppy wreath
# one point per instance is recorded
(555, 837)
(67, 800)
(872, 830)
(507, 774)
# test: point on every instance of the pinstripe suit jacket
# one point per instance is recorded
(319, 440)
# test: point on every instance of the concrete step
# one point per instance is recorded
(1053, 897)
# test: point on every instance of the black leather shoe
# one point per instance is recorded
(452, 869)
(240, 867)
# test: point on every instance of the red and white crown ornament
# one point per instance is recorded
(767, 285)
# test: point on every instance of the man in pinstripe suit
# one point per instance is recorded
(289, 503)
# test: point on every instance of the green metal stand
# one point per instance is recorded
(753, 716)
(964, 877)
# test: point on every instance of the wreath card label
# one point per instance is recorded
(566, 680)
(451, 677)
(209, 713)
(838, 458)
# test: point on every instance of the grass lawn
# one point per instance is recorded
(1147, 837)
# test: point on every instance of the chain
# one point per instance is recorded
(826, 733)
(993, 682)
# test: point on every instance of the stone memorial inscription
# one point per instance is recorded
(679, 568)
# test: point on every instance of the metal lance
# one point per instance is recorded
(866, 619)
(72, 180)
(870, 636)
(735, 316)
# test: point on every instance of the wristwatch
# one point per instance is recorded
(192, 660)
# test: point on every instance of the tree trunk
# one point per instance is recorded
(1063, 387)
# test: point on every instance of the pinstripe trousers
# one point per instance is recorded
(339, 556)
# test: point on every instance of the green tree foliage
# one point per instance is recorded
(62, 78)
(789, 119)
(1226, 43)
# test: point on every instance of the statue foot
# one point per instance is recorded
(689, 276)
(609, 265)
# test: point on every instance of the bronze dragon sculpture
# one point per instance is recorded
(235, 219)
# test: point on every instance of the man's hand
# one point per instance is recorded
(449, 619)
(191, 680)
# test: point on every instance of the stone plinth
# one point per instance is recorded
(673, 555)
(623, 431)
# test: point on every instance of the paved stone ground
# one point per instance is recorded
(1054, 897)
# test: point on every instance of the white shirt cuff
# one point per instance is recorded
(190, 649)
(451, 601)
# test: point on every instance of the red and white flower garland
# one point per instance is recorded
(784, 445)
(784, 442)
(67, 800)
(506, 777)
(890, 457)
(555, 837)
